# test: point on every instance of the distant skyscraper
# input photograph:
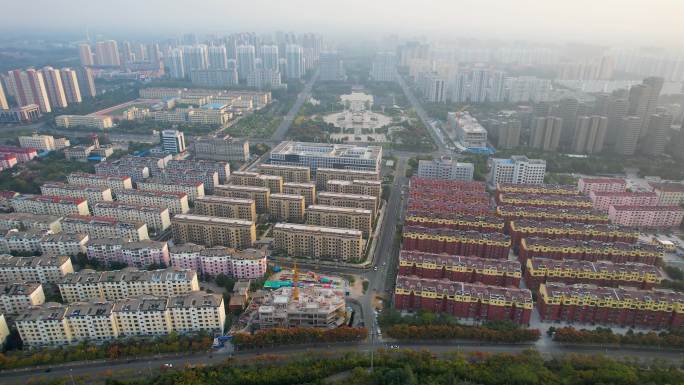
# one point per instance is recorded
(546, 133)
(643, 99)
(269, 57)
(478, 85)
(496, 91)
(153, 53)
(614, 107)
(508, 135)
(173, 141)
(30, 89)
(589, 134)
(433, 88)
(107, 54)
(628, 135)
(139, 52)
(175, 63)
(656, 86)
(384, 67)
(3, 99)
(70, 84)
(86, 82)
(294, 54)
(659, 126)
(331, 66)
(195, 58)
(55, 90)
(127, 53)
(218, 60)
(85, 54)
(458, 90)
(567, 110)
(246, 61)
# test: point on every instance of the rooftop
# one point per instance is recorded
(327, 150)
(318, 229)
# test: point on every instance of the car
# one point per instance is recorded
(375, 268)
(394, 346)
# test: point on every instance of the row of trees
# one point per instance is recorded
(289, 336)
(412, 368)
(134, 347)
(606, 336)
(454, 332)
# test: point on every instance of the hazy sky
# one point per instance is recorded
(620, 22)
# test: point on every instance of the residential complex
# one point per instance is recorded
(50, 205)
(445, 168)
(456, 242)
(213, 231)
(105, 227)
(114, 285)
(114, 182)
(587, 185)
(223, 149)
(341, 217)
(245, 178)
(517, 169)
(140, 253)
(323, 175)
(17, 297)
(602, 200)
(90, 121)
(669, 194)
(156, 218)
(27, 221)
(176, 202)
(43, 142)
(307, 190)
(260, 195)
(290, 174)
(169, 184)
(646, 216)
(318, 242)
(92, 194)
(64, 244)
(220, 206)
(356, 186)
(213, 261)
(366, 202)
(34, 269)
(286, 208)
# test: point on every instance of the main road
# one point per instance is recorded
(303, 96)
(434, 131)
(98, 371)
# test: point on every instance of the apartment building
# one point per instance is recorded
(646, 216)
(290, 174)
(445, 168)
(669, 194)
(213, 231)
(323, 175)
(17, 297)
(43, 142)
(49, 205)
(144, 316)
(120, 167)
(28, 221)
(245, 178)
(587, 185)
(260, 195)
(225, 207)
(518, 169)
(307, 190)
(221, 167)
(367, 202)
(15, 241)
(64, 244)
(92, 194)
(113, 182)
(193, 189)
(105, 227)
(602, 200)
(318, 242)
(114, 285)
(222, 149)
(342, 217)
(240, 264)
(42, 269)
(142, 253)
(356, 186)
(209, 179)
(91, 121)
(156, 218)
(176, 202)
(286, 208)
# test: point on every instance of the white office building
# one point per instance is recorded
(173, 141)
(518, 170)
(445, 168)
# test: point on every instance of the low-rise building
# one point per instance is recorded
(367, 202)
(357, 186)
(213, 261)
(286, 208)
(28, 221)
(120, 167)
(64, 244)
(323, 175)
(92, 194)
(142, 253)
(15, 241)
(260, 195)
(669, 194)
(213, 231)
(21, 154)
(50, 205)
(587, 185)
(17, 297)
(42, 269)
(193, 189)
(318, 242)
(342, 217)
(221, 167)
(114, 182)
(91, 121)
(156, 218)
(307, 190)
(602, 200)
(113, 285)
(105, 227)
(247, 178)
(290, 174)
(646, 216)
(311, 307)
(209, 179)
(43, 142)
(176, 202)
(225, 207)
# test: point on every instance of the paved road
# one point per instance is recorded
(145, 367)
(303, 96)
(437, 136)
